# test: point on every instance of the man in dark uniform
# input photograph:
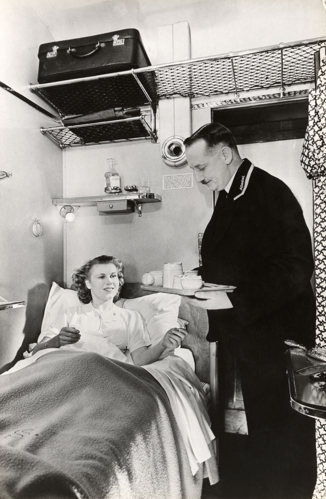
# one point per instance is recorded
(257, 240)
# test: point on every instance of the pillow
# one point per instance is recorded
(159, 310)
(59, 300)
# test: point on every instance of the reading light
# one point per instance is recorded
(68, 212)
(173, 152)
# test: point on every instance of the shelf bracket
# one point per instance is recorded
(143, 89)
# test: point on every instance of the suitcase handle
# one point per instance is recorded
(73, 51)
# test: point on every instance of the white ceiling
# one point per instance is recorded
(143, 5)
(216, 26)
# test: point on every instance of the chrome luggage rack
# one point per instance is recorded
(279, 72)
(101, 132)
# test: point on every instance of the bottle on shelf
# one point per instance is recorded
(112, 178)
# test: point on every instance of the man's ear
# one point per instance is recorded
(227, 154)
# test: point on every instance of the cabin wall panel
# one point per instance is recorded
(168, 232)
(27, 264)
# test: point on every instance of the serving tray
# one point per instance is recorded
(188, 292)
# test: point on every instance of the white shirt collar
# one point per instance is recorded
(228, 186)
(107, 307)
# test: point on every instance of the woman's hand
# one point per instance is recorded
(166, 346)
(173, 338)
(66, 336)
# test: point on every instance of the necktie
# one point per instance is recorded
(222, 197)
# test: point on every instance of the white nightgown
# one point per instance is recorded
(102, 327)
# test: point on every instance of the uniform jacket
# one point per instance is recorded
(258, 241)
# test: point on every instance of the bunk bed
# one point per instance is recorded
(81, 425)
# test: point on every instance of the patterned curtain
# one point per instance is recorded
(313, 157)
(313, 160)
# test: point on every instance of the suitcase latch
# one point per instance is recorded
(53, 52)
(117, 40)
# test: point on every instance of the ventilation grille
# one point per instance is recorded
(178, 181)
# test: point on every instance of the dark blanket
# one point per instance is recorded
(78, 425)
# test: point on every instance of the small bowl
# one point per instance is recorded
(191, 282)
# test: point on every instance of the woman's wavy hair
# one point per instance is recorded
(80, 276)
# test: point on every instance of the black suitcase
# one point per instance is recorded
(90, 56)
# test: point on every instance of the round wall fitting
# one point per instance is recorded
(67, 212)
(173, 152)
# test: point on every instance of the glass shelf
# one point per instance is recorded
(133, 200)
(93, 200)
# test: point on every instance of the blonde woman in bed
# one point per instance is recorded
(100, 326)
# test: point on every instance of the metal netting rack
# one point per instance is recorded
(284, 71)
(128, 129)
(276, 67)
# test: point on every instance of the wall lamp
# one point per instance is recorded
(68, 212)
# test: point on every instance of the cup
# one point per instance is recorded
(189, 273)
(143, 187)
(158, 277)
(169, 271)
(74, 321)
(147, 279)
(190, 281)
(177, 282)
